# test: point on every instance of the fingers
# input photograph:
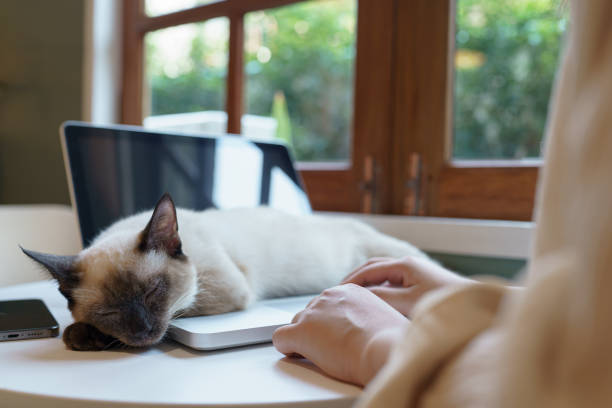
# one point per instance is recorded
(312, 301)
(298, 315)
(376, 273)
(284, 340)
(388, 293)
(376, 259)
(367, 263)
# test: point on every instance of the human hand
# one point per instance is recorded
(347, 331)
(402, 282)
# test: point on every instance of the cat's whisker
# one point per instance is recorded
(179, 314)
(177, 306)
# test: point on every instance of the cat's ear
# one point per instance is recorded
(61, 267)
(161, 233)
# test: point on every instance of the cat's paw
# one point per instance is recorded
(85, 337)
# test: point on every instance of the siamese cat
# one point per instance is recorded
(139, 274)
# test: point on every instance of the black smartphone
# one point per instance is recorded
(26, 319)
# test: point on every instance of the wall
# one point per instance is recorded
(41, 51)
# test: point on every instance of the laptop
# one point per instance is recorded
(116, 171)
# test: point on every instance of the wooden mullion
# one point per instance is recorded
(133, 63)
(208, 11)
(245, 6)
(193, 15)
(235, 74)
(372, 99)
(420, 100)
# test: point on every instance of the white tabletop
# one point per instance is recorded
(43, 372)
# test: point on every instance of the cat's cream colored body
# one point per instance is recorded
(241, 255)
(145, 270)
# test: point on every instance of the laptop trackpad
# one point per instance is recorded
(253, 325)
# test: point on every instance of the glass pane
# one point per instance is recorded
(186, 69)
(159, 7)
(299, 77)
(505, 61)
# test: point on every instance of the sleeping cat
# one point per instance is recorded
(138, 274)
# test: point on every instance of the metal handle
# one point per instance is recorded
(368, 186)
(413, 204)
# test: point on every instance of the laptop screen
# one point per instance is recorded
(117, 171)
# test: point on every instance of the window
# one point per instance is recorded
(506, 54)
(327, 104)
(185, 76)
(299, 70)
(386, 104)
(298, 75)
(437, 179)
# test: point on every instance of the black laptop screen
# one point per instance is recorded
(119, 171)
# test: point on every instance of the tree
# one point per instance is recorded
(501, 95)
(307, 52)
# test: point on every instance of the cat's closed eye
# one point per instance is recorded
(150, 295)
(107, 313)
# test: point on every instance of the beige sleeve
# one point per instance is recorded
(551, 345)
(443, 323)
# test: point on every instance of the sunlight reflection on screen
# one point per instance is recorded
(286, 195)
(237, 175)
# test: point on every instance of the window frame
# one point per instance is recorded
(400, 160)
(331, 186)
(488, 189)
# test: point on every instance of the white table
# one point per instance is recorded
(43, 372)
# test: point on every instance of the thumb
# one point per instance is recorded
(284, 339)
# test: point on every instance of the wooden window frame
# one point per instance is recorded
(400, 159)
(136, 24)
(331, 187)
(489, 189)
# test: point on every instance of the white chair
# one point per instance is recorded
(48, 228)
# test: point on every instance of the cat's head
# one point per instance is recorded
(128, 284)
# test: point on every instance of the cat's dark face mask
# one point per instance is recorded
(133, 311)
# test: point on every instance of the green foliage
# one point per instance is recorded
(280, 113)
(201, 86)
(507, 56)
(311, 48)
(500, 106)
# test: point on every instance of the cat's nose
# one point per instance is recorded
(139, 322)
(141, 329)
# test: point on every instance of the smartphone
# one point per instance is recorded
(26, 319)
